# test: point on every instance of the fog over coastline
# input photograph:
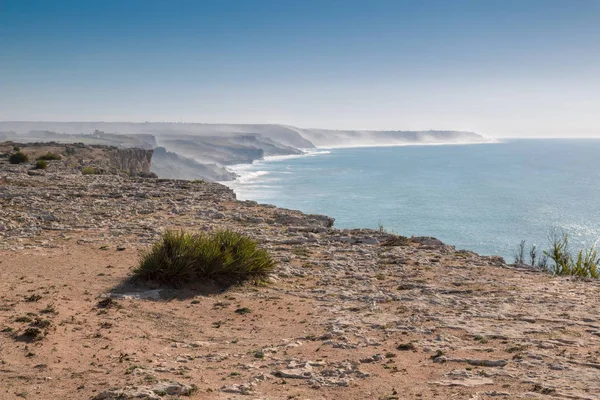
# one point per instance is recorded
(207, 151)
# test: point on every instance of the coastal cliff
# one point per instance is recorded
(204, 151)
(76, 156)
(349, 314)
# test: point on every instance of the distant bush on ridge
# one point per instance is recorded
(18, 158)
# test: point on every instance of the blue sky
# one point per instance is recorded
(501, 68)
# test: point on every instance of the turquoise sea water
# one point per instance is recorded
(484, 197)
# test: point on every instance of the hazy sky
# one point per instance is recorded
(501, 68)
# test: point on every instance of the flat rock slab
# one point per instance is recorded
(469, 382)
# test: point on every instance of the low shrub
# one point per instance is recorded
(558, 259)
(223, 256)
(585, 264)
(18, 158)
(41, 164)
(49, 157)
(88, 170)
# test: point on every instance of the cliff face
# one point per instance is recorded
(170, 165)
(76, 156)
(132, 161)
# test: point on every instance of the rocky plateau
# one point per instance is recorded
(348, 314)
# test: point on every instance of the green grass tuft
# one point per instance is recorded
(88, 171)
(585, 264)
(41, 164)
(559, 260)
(224, 256)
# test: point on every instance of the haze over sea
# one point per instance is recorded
(483, 197)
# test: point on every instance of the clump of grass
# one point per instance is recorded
(50, 309)
(405, 346)
(88, 171)
(396, 240)
(33, 298)
(107, 303)
(40, 323)
(41, 164)
(224, 256)
(18, 158)
(32, 333)
(584, 264)
(49, 156)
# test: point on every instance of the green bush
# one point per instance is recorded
(223, 256)
(49, 157)
(88, 170)
(585, 264)
(16, 148)
(41, 164)
(18, 158)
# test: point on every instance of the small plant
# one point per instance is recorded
(50, 309)
(16, 149)
(405, 346)
(88, 171)
(40, 323)
(107, 303)
(520, 254)
(49, 157)
(584, 265)
(396, 240)
(225, 256)
(32, 333)
(532, 254)
(33, 298)
(586, 262)
(18, 158)
(41, 164)
(243, 310)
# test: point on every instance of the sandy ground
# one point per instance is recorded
(202, 340)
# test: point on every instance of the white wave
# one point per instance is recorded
(251, 176)
(362, 145)
(249, 181)
(307, 153)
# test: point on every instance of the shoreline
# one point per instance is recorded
(246, 177)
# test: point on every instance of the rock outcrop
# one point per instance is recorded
(77, 156)
(133, 161)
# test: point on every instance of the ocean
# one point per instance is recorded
(481, 197)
